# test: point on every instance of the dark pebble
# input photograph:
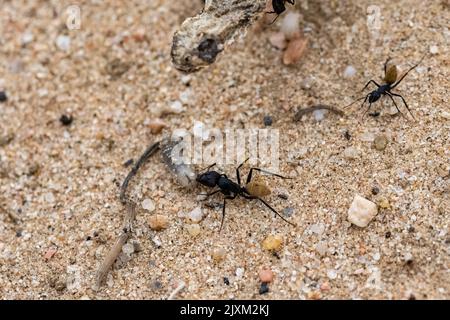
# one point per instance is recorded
(268, 121)
(347, 135)
(226, 281)
(128, 163)
(264, 288)
(375, 191)
(283, 196)
(374, 114)
(3, 96)
(388, 235)
(66, 120)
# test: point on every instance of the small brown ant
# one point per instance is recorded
(279, 7)
(231, 189)
(390, 82)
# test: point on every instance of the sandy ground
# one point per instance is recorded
(59, 184)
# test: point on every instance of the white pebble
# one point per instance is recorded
(367, 137)
(63, 43)
(332, 274)
(351, 153)
(317, 228)
(148, 204)
(128, 249)
(49, 197)
(434, 49)
(240, 272)
(319, 115)
(376, 256)
(186, 79)
(176, 107)
(185, 97)
(362, 211)
(291, 25)
(349, 72)
(27, 37)
(196, 215)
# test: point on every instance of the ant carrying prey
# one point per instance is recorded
(231, 189)
(390, 79)
(279, 7)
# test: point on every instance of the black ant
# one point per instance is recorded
(279, 7)
(390, 79)
(231, 189)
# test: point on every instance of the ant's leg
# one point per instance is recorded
(273, 210)
(249, 176)
(370, 81)
(208, 168)
(367, 110)
(359, 99)
(410, 69)
(395, 104)
(223, 210)
(404, 101)
(223, 214)
(207, 195)
(238, 176)
(291, 2)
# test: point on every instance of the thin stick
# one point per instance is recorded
(302, 112)
(130, 215)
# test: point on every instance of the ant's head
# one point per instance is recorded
(209, 178)
(374, 96)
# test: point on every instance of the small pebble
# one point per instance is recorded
(264, 288)
(319, 115)
(351, 153)
(186, 79)
(128, 249)
(226, 281)
(193, 229)
(66, 120)
(380, 142)
(3, 96)
(361, 211)
(240, 272)
(156, 125)
(176, 107)
(288, 212)
(268, 121)
(332, 274)
(367, 137)
(375, 191)
(325, 286)
(349, 72)
(384, 203)
(278, 40)
(434, 49)
(218, 254)
(266, 275)
(196, 215)
(49, 197)
(290, 26)
(158, 222)
(295, 51)
(63, 42)
(148, 205)
(273, 243)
